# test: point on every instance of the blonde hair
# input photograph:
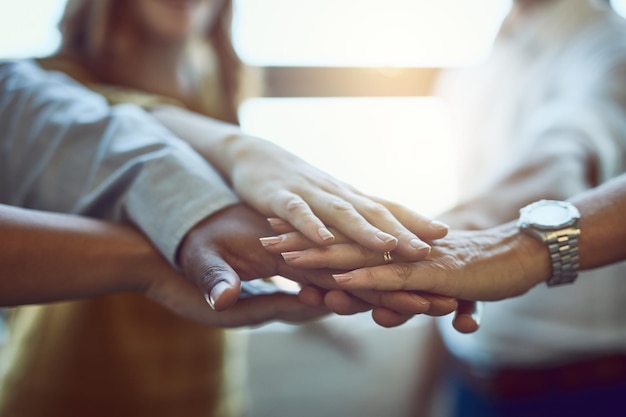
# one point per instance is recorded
(87, 28)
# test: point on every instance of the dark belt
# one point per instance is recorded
(531, 382)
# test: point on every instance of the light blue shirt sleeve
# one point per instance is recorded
(64, 149)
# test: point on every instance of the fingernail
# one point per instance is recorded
(437, 225)
(274, 221)
(217, 290)
(325, 234)
(420, 300)
(420, 246)
(290, 256)
(342, 277)
(269, 241)
(386, 237)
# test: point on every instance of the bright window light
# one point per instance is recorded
(396, 148)
(366, 32)
(28, 27)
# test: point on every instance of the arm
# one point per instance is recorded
(499, 262)
(65, 149)
(49, 257)
(277, 183)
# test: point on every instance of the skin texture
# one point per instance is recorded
(38, 254)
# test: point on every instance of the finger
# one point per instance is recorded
(417, 276)
(280, 226)
(340, 256)
(263, 308)
(423, 226)
(291, 241)
(342, 215)
(217, 281)
(467, 317)
(410, 244)
(296, 211)
(295, 241)
(342, 303)
(311, 296)
(389, 318)
(402, 302)
(440, 305)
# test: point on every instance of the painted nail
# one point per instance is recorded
(290, 256)
(419, 246)
(325, 234)
(274, 221)
(342, 277)
(386, 237)
(269, 241)
(437, 225)
(217, 290)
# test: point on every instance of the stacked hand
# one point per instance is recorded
(225, 248)
(468, 265)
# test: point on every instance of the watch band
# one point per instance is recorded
(563, 247)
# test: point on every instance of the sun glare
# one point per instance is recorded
(366, 32)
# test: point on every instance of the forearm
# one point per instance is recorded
(216, 141)
(602, 224)
(64, 149)
(49, 257)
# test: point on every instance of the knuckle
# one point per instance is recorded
(376, 209)
(341, 206)
(296, 206)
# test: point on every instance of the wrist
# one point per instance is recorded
(530, 255)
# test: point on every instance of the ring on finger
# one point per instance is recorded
(387, 258)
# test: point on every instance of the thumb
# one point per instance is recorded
(216, 279)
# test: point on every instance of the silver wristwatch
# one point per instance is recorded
(555, 223)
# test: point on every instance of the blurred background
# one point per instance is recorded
(353, 77)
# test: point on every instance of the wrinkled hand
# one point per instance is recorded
(297, 250)
(487, 265)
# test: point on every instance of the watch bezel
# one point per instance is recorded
(526, 218)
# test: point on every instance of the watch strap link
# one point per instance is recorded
(563, 247)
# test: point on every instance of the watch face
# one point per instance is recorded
(551, 215)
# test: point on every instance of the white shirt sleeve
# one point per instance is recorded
(64, 149)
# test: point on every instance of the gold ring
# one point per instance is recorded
(387, 257)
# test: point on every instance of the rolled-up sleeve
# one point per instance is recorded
(64, 149)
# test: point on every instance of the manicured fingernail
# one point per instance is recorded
(274, 221)
(269, 241)
(437, 225)
(290, 256)
(217, 290)
(386, 237)
(419, 246)
(325, 234)
(342, 277)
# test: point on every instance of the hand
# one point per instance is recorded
(488, 265)
(176, 293)
(224, 249)
(280, 184)
(387, 306)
